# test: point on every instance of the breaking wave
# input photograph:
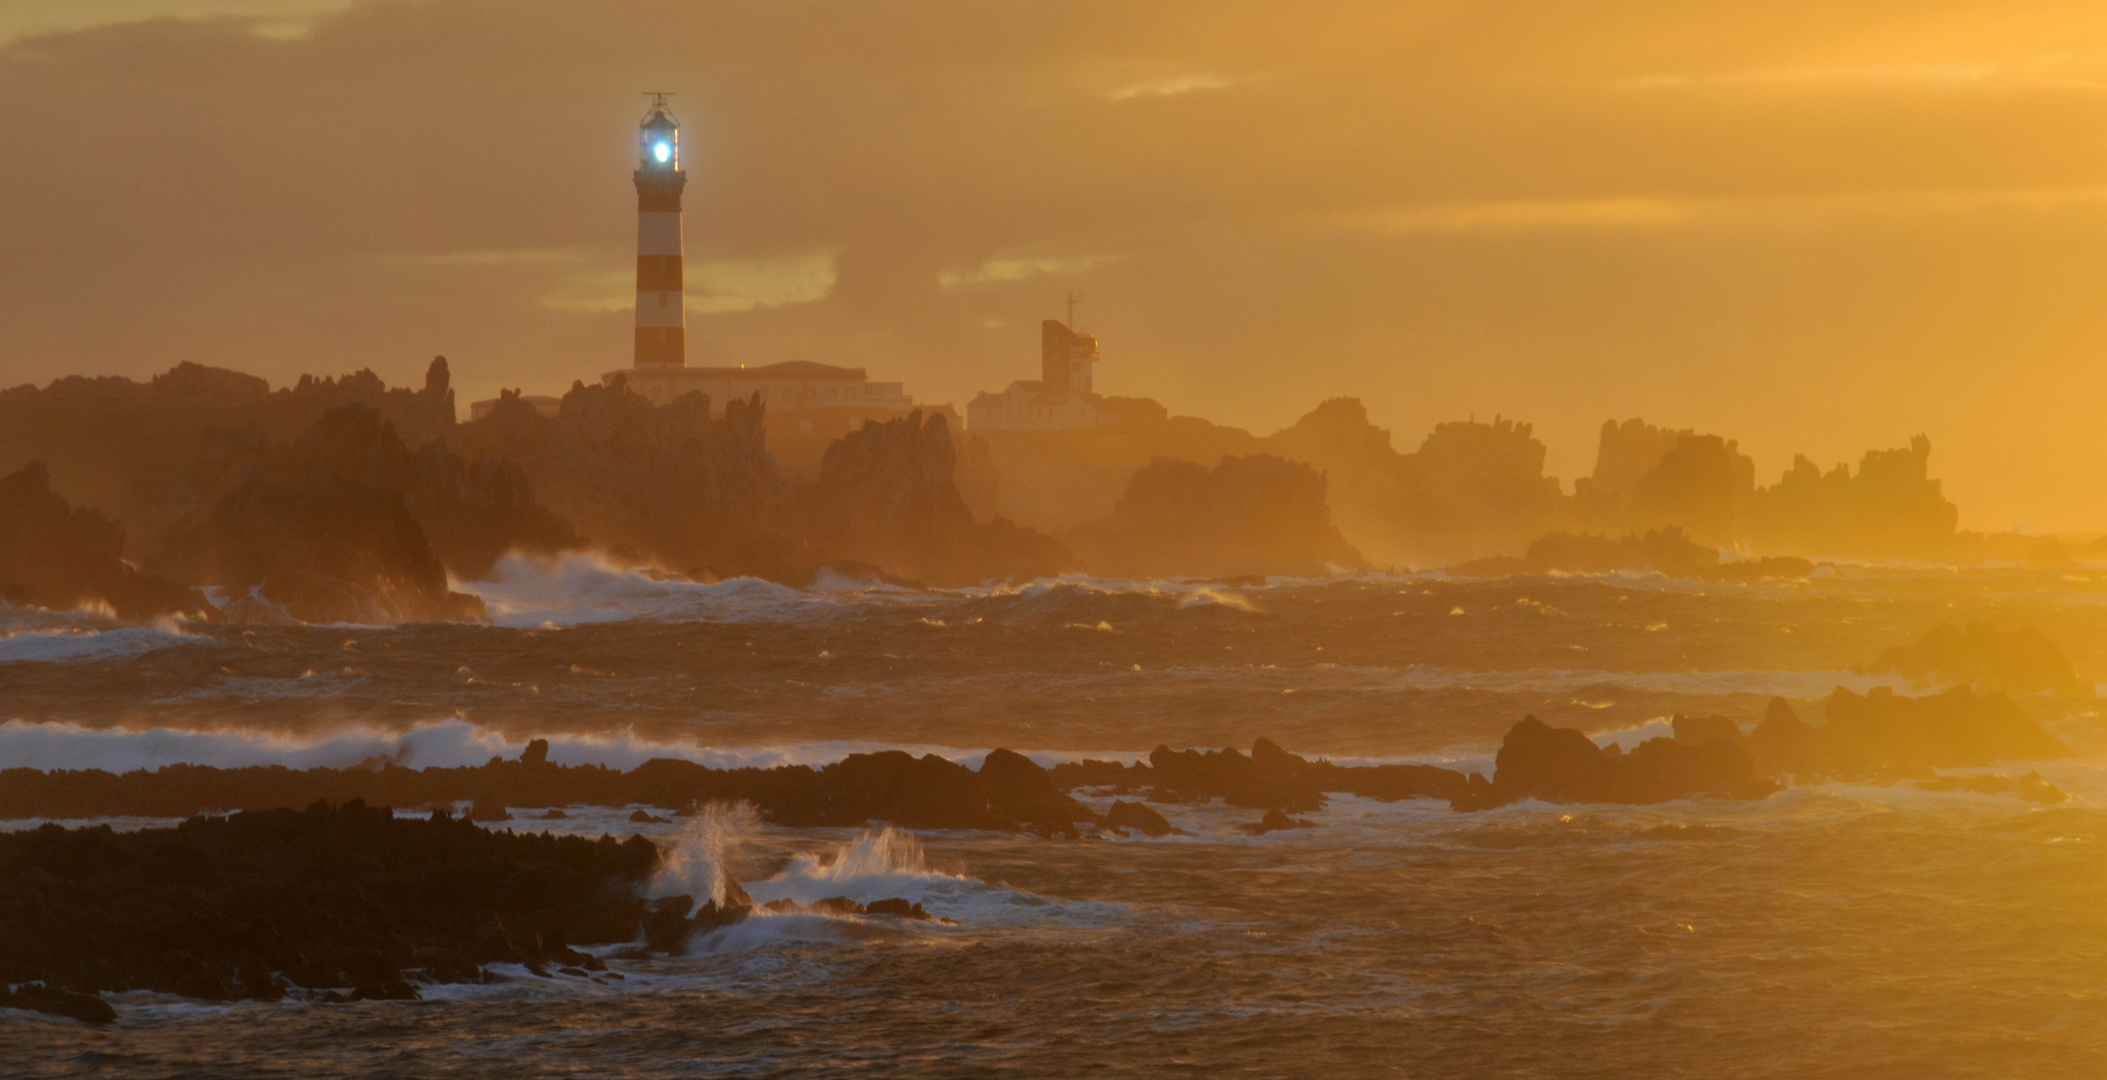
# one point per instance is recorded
(452, 743)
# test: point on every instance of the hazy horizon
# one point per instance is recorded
(1817, 229)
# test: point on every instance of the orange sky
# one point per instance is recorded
(1811, 226)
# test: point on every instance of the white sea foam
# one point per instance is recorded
(705, 855)
(446, 744)
(582, 589)
(76, 644)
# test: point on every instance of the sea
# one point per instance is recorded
(1835, 930)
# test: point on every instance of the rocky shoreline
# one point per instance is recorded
(1881, 736)
(344, 900)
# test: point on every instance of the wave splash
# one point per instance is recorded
(701, 860)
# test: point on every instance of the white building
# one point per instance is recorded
(1061, 399)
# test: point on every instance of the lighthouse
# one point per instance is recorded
(661, 319)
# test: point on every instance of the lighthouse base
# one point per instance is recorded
(661, 346)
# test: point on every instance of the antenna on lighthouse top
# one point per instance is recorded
(1072, 300)
(658, 97)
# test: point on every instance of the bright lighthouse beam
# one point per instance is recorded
(664, 152)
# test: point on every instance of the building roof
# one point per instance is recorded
(787, 369)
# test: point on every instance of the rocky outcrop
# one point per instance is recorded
(1956, 728)
(316, 548)
(472, 512)
(123, 447)
(1891, 508)
(1978, 655)
(1256, 515)
(1562, 765)
(1019, 791)
(348, 900)
(53, 555)
(1662, 551)
(887, 495)
(664, 484)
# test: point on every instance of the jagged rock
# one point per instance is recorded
(669, 483)
(55, 556)
(887, 494)
(1255, 515)
(1138, 817)
(320, 548)
(471, 512)
(1890, 509)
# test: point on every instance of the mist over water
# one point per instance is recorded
(1834, 930)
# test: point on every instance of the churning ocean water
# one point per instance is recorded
(1834, 930)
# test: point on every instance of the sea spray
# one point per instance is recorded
(704, 859)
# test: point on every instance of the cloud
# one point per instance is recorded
(714, 286)
(1168, 86)
(1014, 268)
(1525, 215)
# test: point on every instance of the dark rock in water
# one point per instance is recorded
(1537, 761)
(665, 921)
(1092, 773)
(1271, 779)
(1697, 730)
(1018, 789)
(54, 556)
(1275, 821)
(554, 814)
(536, 753)
(646, 817)
(836, 905)
(896, 908)
(1978, 655)
(1138, 817)
(2030, 787)
(344, 898)
(321, 549)
(919, 793)
(1784, 744)
(1664, 551)
(486, 811)
(86, 1008)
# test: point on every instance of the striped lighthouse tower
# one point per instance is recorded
(661, 319)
